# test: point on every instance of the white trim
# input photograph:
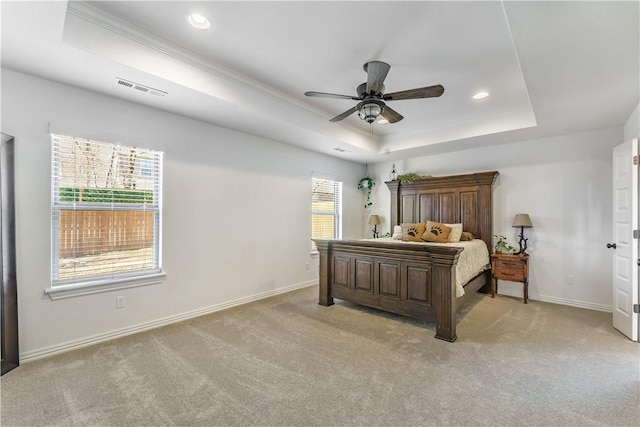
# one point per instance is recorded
(562, 301)
(94, 287)
(40, 353)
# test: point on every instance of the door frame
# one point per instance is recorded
(9, 295)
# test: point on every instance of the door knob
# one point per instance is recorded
(611, 245)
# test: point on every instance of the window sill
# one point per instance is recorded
(94, 287)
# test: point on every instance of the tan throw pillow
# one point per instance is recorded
(436, 232)
(456, 232)
(411, 232)
(466, 236)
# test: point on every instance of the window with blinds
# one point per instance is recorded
(106, 211)
(326, 210)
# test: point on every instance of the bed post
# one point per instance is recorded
(444, 278)
(325, 297)
(395, 203)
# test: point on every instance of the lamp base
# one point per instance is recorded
(522, 243)
(375, 231)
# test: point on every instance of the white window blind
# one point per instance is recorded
(326, 209)
(106, 211)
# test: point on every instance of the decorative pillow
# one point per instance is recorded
(467, 235)
(411, 232)
(456, 232)
(397, 232)
(436, 232)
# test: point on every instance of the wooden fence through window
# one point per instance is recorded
(95, 232)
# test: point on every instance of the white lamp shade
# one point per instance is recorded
(522, 220)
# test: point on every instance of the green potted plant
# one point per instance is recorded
(408, 178)
(502, 245)
(366, 184)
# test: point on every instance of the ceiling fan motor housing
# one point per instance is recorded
(362, 91)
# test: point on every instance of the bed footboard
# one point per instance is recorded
(413, 280)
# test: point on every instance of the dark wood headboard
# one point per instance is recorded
(451, 199)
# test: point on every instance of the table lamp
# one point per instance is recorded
(375, 220)
(523, 221)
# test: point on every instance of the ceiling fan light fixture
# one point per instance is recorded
(369, 111)
(199, 21)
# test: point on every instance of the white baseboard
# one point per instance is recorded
(118, 333)
(561, 301)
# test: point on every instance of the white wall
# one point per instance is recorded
(632, 126)
(220, 248)
(564, 183)
(218, 245)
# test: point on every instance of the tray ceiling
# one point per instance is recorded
(547, 67)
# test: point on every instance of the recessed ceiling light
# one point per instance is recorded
(199, 21)
(481, 95)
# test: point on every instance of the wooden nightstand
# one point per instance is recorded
(514, 268)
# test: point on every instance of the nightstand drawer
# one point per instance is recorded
(506, 264)
(511, 275)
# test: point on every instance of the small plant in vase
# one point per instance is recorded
(366, 184)
(502, 245)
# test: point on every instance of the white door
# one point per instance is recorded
(625, 247)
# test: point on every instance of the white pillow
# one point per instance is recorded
(397, 233)
(456, 232)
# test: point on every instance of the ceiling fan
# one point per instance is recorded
(372, 97)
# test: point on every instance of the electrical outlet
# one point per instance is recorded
(120, 301)
(571, 280)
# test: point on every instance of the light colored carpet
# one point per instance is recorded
(286, 361)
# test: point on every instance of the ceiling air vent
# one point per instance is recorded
(139, 87)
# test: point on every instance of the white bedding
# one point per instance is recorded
(473, 259)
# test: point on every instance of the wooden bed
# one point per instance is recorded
(412, 279)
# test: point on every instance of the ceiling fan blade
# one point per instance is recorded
(391, 115)
(344, 115)
(376, 73)
(331, 95)
(422, 92)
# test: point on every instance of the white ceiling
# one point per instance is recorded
(550, 67)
